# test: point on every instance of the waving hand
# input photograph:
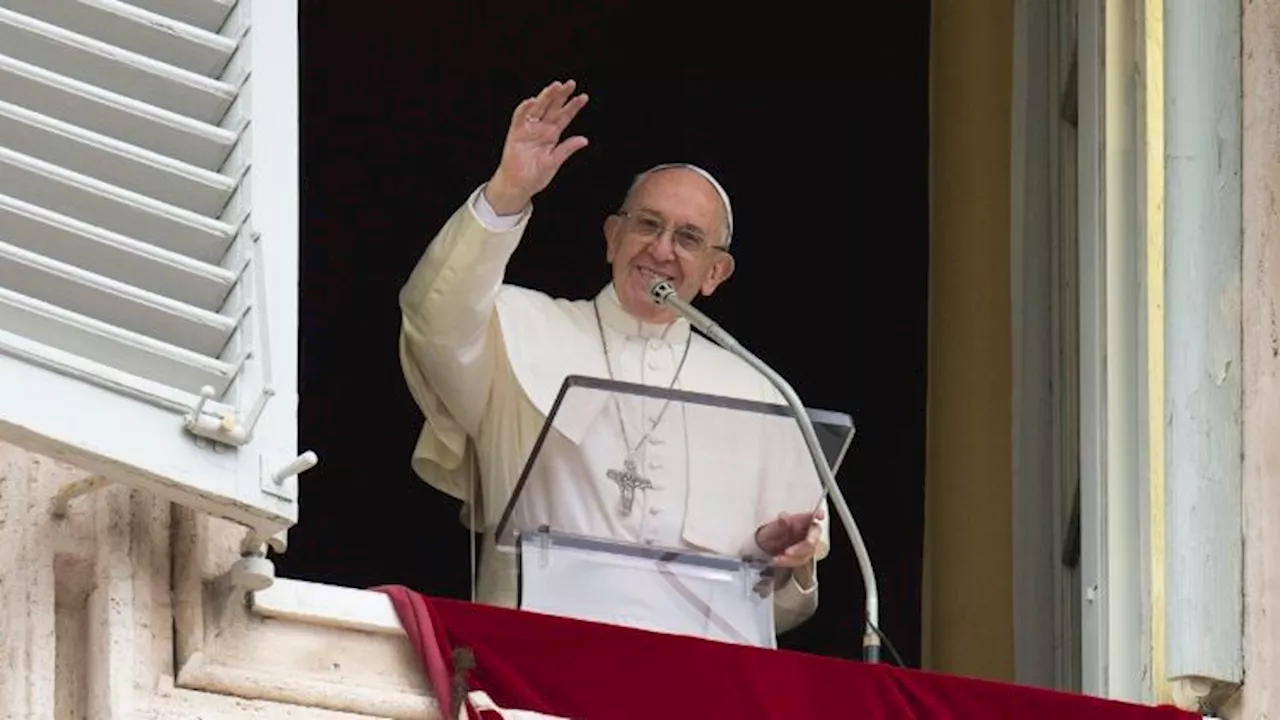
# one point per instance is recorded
(534, 151)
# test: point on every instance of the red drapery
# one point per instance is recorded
(568, 668)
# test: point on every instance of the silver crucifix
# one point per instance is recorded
(629, 480)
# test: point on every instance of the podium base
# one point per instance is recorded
(646, 587)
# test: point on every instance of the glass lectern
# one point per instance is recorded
(638, 506)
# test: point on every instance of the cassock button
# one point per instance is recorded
(654, 440)
(655, 511)
(654, 364)
(654, 346)
(655, 465)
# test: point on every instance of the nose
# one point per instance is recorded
(663, 247)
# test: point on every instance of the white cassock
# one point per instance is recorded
(485, 362)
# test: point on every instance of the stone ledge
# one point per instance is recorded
(327, 605)
(297, 643)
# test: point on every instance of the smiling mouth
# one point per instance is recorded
(652, 276)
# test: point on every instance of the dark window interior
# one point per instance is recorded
(815, 121)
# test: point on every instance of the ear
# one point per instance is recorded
(611, 237)
(720, 271)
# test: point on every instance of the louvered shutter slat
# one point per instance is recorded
(112, 346)
(133, 28)
(112, 255)
(75, 289)
(112, 208)
(148, 245)
(205, 14)
(114, 162)
(202, 144)
(113, 68)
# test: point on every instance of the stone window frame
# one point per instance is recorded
(293, 643)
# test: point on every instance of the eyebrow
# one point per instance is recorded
(681, 226)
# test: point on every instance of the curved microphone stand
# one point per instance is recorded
(664, 293)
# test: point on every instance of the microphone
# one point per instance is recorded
(662, 292)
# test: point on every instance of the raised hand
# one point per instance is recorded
(533, 151)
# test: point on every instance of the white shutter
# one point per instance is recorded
(149, 246)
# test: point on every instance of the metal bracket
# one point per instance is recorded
(254, 571)
(228, 429)
(278, 483)
(74, 489)
(254, 542)
(544, 546)
(225, 429)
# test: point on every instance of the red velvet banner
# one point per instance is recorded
(566, 668)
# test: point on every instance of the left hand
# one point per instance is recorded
(792, 539)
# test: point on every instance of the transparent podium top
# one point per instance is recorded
(667, 468)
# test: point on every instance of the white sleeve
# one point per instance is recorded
(491, 219)
(446, 335)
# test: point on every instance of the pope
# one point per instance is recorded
(484, 361)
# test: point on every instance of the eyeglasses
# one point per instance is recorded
(688, 241)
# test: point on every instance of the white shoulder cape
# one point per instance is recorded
(547, 340)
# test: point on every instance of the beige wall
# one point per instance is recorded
(1260, 697)
(121, 611)
(968, 588)
(968, 585)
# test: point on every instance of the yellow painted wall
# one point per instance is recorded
(968, 583)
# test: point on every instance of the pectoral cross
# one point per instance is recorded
(628, 479)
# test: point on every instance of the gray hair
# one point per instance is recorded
(724, 195)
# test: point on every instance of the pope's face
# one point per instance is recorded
(672, 227)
